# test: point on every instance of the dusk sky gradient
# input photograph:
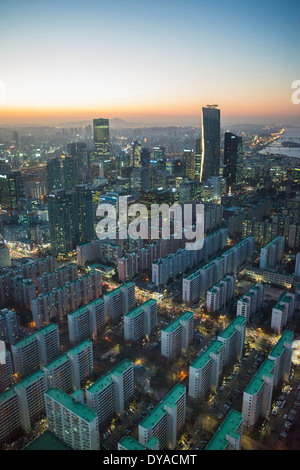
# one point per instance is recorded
(150, 61)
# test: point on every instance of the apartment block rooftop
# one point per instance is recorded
(131, 444)
(186, 316)
(266, 369)
(278, 350)
(229, 427)
(230, 330)
(30, 380)
(106, 380)
(159, 411)
(47, 329)
(214, 348)
(140, 308)
(83, 411)
(80, 347)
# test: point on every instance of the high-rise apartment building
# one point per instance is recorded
(36, 350)
(166, 420)
(6, 372)
(70, 218)
(119, 302)
(141, 321)
(9, 326)
(87, 322)
(272, 253)
(283, 311)
(257, 398)
(251, 302)
(229, 434)
(82, 363)
(112, 392)
(177, 336)
(72, 422)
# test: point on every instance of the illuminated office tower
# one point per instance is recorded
(211, 157)
(6, 372)
(63, 221)
(233, 338)
(141, 321)
(257, 398)
(204, 373)
(233, 159)
(198, 160)
(229, 434)
(101, 139)
(166, 420)
(69, 173)
(30, 393)
(48, 343)
(283, 311)
(159, 153)
(112, 392)
(272, 253)
(25, 354)
(82, 363)
(281, 355)
(9, 326)
(53, 174)
(177, 336)
(10, 424)
(11, 190)
(58, 374)
(119, 301)
(72, 422)
(189, 159)
(136, 149)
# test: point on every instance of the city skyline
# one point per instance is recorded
(158, 65)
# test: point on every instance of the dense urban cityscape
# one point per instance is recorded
(145, 344)
(150, 281)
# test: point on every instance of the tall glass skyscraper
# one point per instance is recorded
(210, 162)
(233, 159)
(53, 173)
(101, 139)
